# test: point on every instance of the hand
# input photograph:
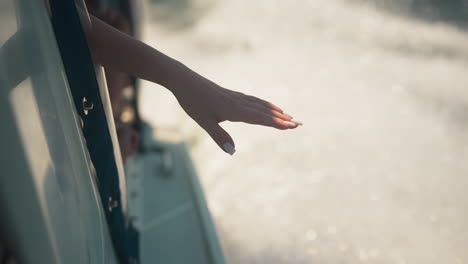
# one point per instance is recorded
(209, 104)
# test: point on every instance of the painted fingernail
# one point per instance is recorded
(229, 148)
(291, 124)
(297, 122)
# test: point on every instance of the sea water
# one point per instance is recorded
(377, 174)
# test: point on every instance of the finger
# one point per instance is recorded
(275, 113)
(270, 111)
(259, 101)
(253, 116)
(221, 137)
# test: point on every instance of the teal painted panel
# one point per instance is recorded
(176, 240)
(162, 192)
(51, 212)
(168, 201)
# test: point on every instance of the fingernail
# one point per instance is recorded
(297, 122)
(288, 115)
(291, 124)
(229, 148)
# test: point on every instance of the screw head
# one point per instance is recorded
(87, 105)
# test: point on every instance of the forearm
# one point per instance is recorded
(122, 53)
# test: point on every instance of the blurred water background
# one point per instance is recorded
(379, 171)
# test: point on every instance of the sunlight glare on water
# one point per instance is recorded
(377, 173)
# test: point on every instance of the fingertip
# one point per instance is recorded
(221, 138)
(290, 124)
(229, 148)
(297, 122)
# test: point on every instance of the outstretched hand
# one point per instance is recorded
(209, 104)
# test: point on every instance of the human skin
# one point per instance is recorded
(205, 102)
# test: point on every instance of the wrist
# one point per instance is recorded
(178, 77)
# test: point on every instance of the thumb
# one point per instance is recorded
(221, 137)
